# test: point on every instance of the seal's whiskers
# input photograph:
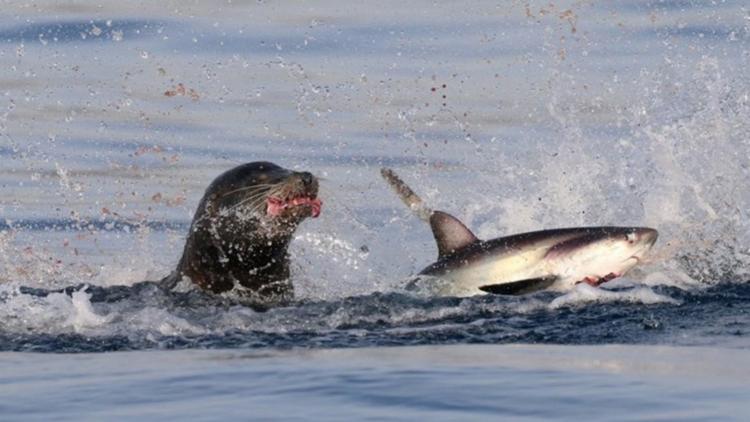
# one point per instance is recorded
(246, 188)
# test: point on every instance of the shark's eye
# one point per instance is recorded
(630, 237)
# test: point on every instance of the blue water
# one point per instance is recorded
(514, 117)
(441, 383)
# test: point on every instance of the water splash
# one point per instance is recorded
(146, 317)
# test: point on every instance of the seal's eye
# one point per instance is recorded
(630, 237)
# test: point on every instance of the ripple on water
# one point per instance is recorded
(146, 317)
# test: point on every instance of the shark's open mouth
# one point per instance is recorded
(598, 281)
(275, 206)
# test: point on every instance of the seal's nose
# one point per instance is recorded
(307, 178)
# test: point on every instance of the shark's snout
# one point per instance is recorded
(647, 235)
(643, 239)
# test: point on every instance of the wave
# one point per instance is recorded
(144, 316)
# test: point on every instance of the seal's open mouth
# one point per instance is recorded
(275, 206)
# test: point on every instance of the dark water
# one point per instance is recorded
(717, 315)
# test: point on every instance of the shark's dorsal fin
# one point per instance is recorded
(450, 234)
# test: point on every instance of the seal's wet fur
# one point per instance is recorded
(237, 243)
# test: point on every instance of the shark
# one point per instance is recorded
(554, 259)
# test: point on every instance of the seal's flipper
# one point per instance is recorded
(450, 234)
(411, 199)
(520, 287)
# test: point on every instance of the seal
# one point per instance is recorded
(240, 233)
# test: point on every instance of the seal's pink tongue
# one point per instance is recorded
(275, 206)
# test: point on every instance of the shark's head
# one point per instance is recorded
(597, 255)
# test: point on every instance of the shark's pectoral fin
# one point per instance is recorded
(520, 287)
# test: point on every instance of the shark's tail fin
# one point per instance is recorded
(411, 199)
(450, 233)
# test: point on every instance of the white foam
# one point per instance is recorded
(157, 320)
(55, 313)
(584, 293)
(83, 316)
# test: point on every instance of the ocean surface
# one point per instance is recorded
(513, 116)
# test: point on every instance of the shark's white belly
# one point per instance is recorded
(466, 280)
(513, 267)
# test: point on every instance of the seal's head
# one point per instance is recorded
(275, 197)
(242, 228)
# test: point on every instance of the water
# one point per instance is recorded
(513, 117)
(144, 317)
(444, 383)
